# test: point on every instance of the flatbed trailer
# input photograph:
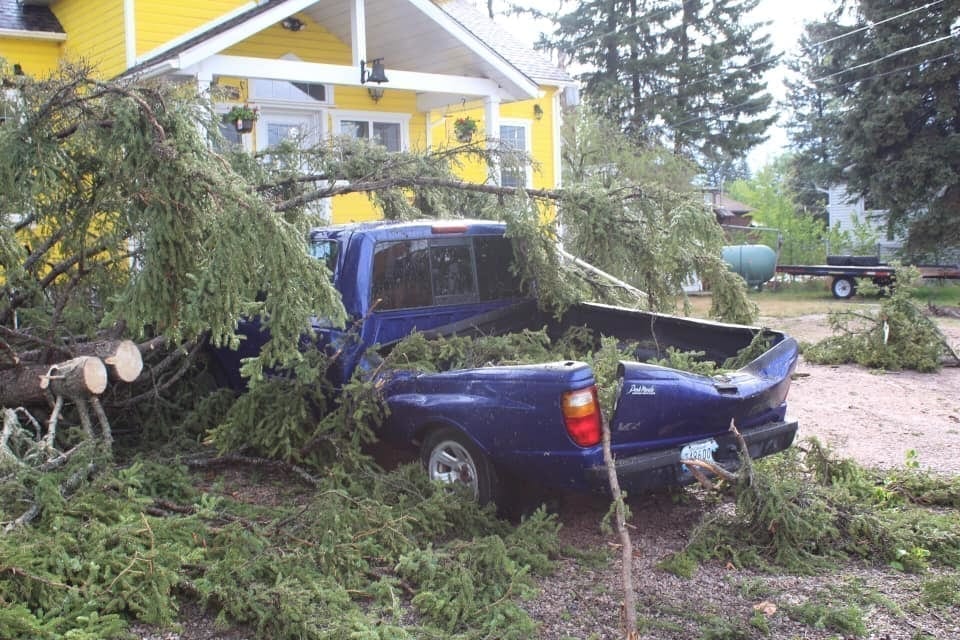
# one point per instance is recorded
(844, 283)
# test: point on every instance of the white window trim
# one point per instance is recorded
(527, 126)
(403, 119)
(293, 104)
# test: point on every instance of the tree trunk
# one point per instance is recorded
(78, 378)
(21, 386)
(25, 384)
(122, 357)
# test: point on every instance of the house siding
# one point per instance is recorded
(37, 57)
(95, 33)
(160, 22)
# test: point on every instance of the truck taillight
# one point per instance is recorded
(581, 412)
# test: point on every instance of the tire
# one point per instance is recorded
(843, 288)
(452, 458)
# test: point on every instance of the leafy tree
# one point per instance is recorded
(893, 87)
(801, 238)
(683, 74)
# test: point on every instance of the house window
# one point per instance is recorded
(281, 91)
(388, 130)
(516, 136)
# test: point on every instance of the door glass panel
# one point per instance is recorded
(277, 132)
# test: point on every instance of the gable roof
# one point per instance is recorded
(486, 50)
(520, 55)
(15, 16)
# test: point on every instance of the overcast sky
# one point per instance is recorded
(787, 18)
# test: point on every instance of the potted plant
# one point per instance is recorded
(465, 127)
(243, 116)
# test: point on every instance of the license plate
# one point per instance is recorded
(700, 450)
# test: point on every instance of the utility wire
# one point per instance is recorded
(899, 69)
(817, 45)
(716, 114)
(887, 56)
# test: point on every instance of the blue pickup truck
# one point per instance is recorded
(499, 427)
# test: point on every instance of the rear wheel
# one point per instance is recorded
(843, 287)
(452, 458)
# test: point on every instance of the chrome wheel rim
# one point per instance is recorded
(451, 463)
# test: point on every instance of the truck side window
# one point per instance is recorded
(326, 251)
(401, 275)
(494, 275)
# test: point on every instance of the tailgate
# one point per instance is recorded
(658, 406)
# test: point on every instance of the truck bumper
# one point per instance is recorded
(657, 469)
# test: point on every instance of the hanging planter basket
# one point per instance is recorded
(243, 117)
(464, 128)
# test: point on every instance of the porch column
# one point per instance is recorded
(491, 118)
(358, 32)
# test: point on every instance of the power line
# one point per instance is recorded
(899, 69)
(817, 45)
(887, 56)
(716, 114)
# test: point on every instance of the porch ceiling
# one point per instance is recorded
(408, 39)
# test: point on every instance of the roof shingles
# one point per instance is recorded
(529, 62)
(17, 17)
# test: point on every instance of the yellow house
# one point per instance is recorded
(399, 72)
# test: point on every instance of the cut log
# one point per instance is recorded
(122, 357)
(77, 378)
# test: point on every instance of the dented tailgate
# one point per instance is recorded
(658, 406)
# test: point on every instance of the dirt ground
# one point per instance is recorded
(875, 417)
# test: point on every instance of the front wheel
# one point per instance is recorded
(452, 458)
(843, 288)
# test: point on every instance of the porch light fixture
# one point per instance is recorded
(291, 23)
(375, 93)
(537, 112)
(376, 73)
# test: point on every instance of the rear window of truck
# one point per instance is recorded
(444, 271)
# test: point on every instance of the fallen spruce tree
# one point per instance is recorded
(121, 216)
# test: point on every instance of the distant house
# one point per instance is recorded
(729, 212)
(850, 212)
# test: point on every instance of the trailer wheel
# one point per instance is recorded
(843, 287)
(452, 458)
